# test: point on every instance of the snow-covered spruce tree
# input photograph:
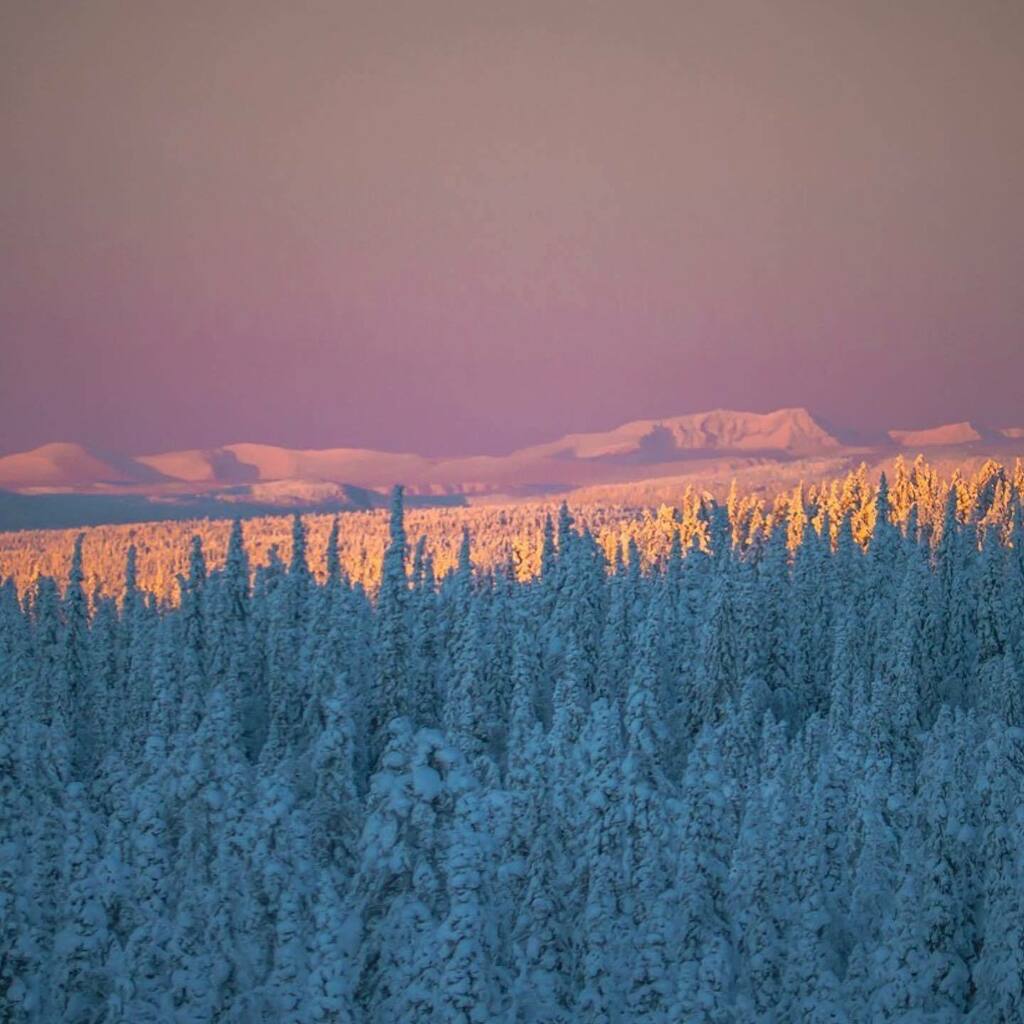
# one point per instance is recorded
(19, 957)
(468, 988)
(705, 985)
(814, 936)
(956, 565)
(947, 823)
(278, 839)
(397, 900)
(390, 696)
(760, 898)
(335, 806)
(78, 981)
(424, 641)
(998, 974)
(649, 813)
(330, 956)
(152, 884)
(192, 637)
(469, 712)
(49, 697)
(719, 661)
(565, 768)
(525, 787)
(600, 947)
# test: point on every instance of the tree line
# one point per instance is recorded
(513, 534)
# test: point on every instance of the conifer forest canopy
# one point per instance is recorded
(769, 771)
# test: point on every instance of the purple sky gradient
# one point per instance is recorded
(467, 227)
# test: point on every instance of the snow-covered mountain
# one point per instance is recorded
(934, 437)
(784, 432)
(71, 466)
(784, 445)
(953, 434)
(790, 431)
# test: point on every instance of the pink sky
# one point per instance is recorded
(467, 227)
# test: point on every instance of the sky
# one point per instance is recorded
(466, 227)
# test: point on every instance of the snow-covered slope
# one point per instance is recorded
(935, 437)
(793, 431)
(69, 465)
(211, 465)
(361, 466)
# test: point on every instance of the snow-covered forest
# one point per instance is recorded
(769, 781)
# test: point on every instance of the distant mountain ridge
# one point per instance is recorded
(964, 432)
(785, 431)
(712, 444)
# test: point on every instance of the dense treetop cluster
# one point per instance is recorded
(762, 775)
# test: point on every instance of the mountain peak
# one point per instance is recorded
(789, 431)
(785, 430)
